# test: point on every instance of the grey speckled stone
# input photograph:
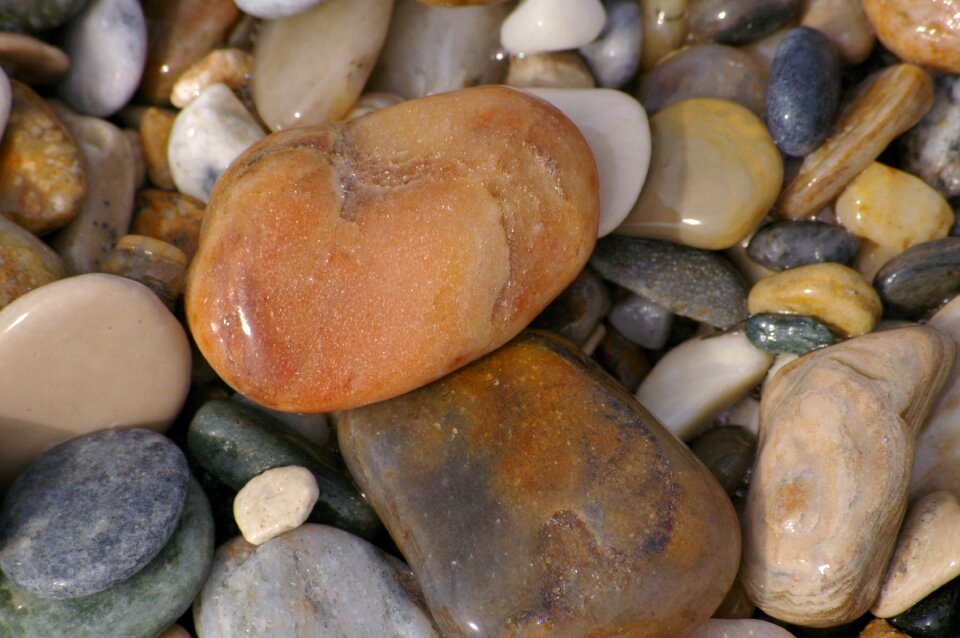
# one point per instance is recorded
(614, 57)
(92, 512)
(34, 15)
(789, 244)
(920, 278)
(933, 145)
(140, 607)
(313, 581)
(687, 281)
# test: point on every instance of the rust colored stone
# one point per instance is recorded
(169, 216)
(155, 127)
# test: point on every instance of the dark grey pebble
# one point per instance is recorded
(579, 308)
(789, 244)
(614, 57)
(920, 278)
(793, 334)
(933, 617)
(739, 21)
(92, 512)
(687, 281)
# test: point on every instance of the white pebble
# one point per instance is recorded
(552, 25)
(274, 9)
(275, 502)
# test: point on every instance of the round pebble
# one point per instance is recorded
(787, 244)
(926, 33)
(642, 322)
(552, 25)
(739, 21)
(551, 70)
(920, 278)
(844, 23)
(614, 57)
(275, 502)
(221, 66)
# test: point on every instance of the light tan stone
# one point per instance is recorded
(844, 24)
(551, 70)
(665, 27)
(745, 628)
(221, 66)
(881, 629)
(370, 102)
(275, 502)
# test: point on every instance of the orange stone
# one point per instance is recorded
(168, 216)
(352, 263)
(926, 33)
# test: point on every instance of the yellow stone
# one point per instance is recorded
(833, 293)
(714, 174)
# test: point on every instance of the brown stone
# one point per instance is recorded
(169, 216)
(155, 127)
(533, 496)
(926, 33)
(31, 60)
(25, 262)
(349, 264)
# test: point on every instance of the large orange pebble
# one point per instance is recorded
(349, 264)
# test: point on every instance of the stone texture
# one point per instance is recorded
(277, 501)
(159, 266)
(829, 490)
(877, 628)
(35, 15)
(230, 67)
(622, 358)
(926, 33)
(933, 145)
(728, 451)
(932, 617)
(786, 244)
(168, 216)
(576, 311)
(275, 9)
(533, 496)
(372, 102)
(614, 57)
(155, 127)
(376, 233)
(25, 262)
(551, 70)
(641, 321)
(920, 278)
(739, 21)
(787, 333)
(843, 22)
(31, 60)
(536, 26)
(748, 628)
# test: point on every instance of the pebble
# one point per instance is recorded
(31, 60)
(739, 21)
(699, 379)
(206, 137)
(168, 216)
(764, 50)
(275, 9)
(275, 502)
(713, 175)
(786, 244)
(37, 15)
(932, 617)
(926, 556)
(141, 606)
(42, 176)
(432, 49)
(665, 27)
(121, 360)
(616, 128)
(231, 67)
(926, 33)
(577, 311)
(804, 91)
(552, 70)
(641, 321)
(787, 333)
(289, 93)
(107, 48)
(590, 529)
(920, 278)
(91, 512)
(704, 70)
(25, 262)
(175, 631)
(877, 628)
(895, 100)
(159, 266)
(828, 493)
(155, 127)
(832, 293)
(747, 628)
(728, 452)
(933, 145)
(376, 230)
(689, 282)
(614, 57)
(312, 427)
(844, 24)
(372, 102)
(622, 359)
(313, 581)
(535, 26)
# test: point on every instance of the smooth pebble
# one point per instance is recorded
(231, 67)
(728, 452)
(786, 244)
(844, 24)
(920, 278)
(551, 70)
(614, 57)
(275, 9)
(665, 27)
(926, 33)
(159, 266)
(932, 617)
(641, 321)
(535, 26)
(155, 127)
(275, 502)
(577, 311)
(26, 262)
(739, 21)
(787, 333)
(747, 628)
(31, 60)
(168, 216)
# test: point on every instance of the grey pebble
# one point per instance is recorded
(920, 278)
(739, 21)
(788, 244)
(642, 322)
(575, 313)
(614, 57)
(933, 145)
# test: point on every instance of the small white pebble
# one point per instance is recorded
(275, 502)
(552, 25)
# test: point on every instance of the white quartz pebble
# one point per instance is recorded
(701, 377)
(275, 502)
(552, 25)
(746, 628)
(207, 135)
(616, 128)
(273, 9)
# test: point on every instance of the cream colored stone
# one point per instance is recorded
(665, 27)
(844, 24)
(535, 26)
(745, 412)
(552, 70)
(275, 502)
(927, 554)
(221, 66)
(700, 378)
(746, 628)
(837, 437)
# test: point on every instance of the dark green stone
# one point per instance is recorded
(728, 452)
(920, 278)
(234, 443)
(36, 15)
(932, 617)
(788, 333)
(576, 312)
(141, 606)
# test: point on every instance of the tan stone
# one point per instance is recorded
(221, 66)
(155, 127)
(275, 502)
(745, 628)
(844, 24)
(31, 60)
(461, 3)
(881, 629)
(169, 216)
(926, 33)
(665, 27)
(829, 489)
(552, 70)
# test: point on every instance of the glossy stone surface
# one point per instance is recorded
(91, 512)
(878, 628)
(31, 60)
(920, 278)
(551, 70)
(926, 33)
(376, 231)
(787, 333)
(821, 520)
(155, 127)
(665, 27)
(932, 617)
(274, 9)
(535, 26)
(274, 502)
(739, 21)
(786, 244)
(577, 497)
(576, 311)
(231, 67)
(933, 145)
(313, 581)
(35, 15)
(141, 606)
(728, 452)
(159, 266)
(714, 174)
(25, 262)
(168, 216)
(844, 23)
(614, 57)
(693, 283)
(641, 321)
(804, 91)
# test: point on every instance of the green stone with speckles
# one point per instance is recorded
(794, 334)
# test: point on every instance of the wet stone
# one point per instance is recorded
(159, 266)
(614, 57)
(274, 502)
(221, 66)
(168, 216)
(687, 281)
(925, 33)
(274, 9)
(536, 26)
(728, 452)
(843, 22)
(575, 313)
(933, 145)
(788, 333)
(92, 512)
(665, 27)
(25, 262)
(878, 628)
(920, 278)
(734, 628)
(641, 321)
(788, 244)
(933, 617)
(37, 15)
(739, 21)
(552, 70)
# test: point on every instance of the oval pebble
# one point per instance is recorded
(91, 512)
(536, 26)
(926, 33)
(787, 333)
(31, 60)
(159, 266)
(25, 262)
(787, 244)
(221, 66)
(665, 27)
(920, 278)
(274, 502)
(614, 57)
(155, 128)
(932, 617)
(933, 145)
(550, 70)
(804, 91)
(739, 21)
(641, 321)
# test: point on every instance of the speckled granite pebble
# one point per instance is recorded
(920, 278)
(787, 244)
(25, 262)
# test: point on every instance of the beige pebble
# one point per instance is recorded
(844, 24)
(159, 266)
(139, 163)
(551, 70)
(665, 27)
(31, 60)
(275, 502)
(740, 628)
(220, 66)
(155, 126)
(926, 33)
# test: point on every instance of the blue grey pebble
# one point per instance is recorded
(920, 278)
(804, 91)
(739, 21)
(789, 244)
(614, 57)
(92, 512)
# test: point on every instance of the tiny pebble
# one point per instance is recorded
(275, 502)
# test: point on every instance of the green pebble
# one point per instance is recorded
(36, 15)
(788, 333)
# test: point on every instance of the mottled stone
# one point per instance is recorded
(844, 24)
(121, 360)
(275, 502)
(714, 174)
(230, 67)
(787, 333)
(155, 127)
(665, 27)
(42, 176)
(687, 281)
(552, 70)
(31, 60)
(576, 311)
(926, 33)
(36, 15)
(832, 293)
(168, 216)
(893, 102)
(622, 358)
(274, 9)
(139, 607)
(641, 321)
(584, 515)
(159, 266)
(787, 244)
(877, 628)
(932, 617)
(933, 145)
(821, 519)
(920, 278)
(312, 581)
(25, 262)
(535, 26)
(614, 57)
(739, 21)
(728, 452)
(91, 512)
(804, 91)
(746, 628)
(377, 230)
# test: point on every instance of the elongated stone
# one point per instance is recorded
(583, 517)
(747, 628)
(787, 244)
(31, 60)
(36, 15)
(535, 26)
(787, 333)
(25, 262)
(155, 128)
(920, 278)
(230, 67)
(821, 519)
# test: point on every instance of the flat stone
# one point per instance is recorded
(576, 311)
(275, 502)
(933, 145)
(310, 581)
(536, 26)
(31, 60)
(921, 32)
(932, 617)
(141, 606)
(747, 628)
(168, 216)
(614, 56)
(91, 512)
(550, 70)
(641, 321)
(821, 519)
(155, 128)
(530, 493)
(36, 15)
(844, 23)
(693, 283)
(786, 244)
(920, 278)
(739, 21)
(230, 67)
(377, 230)
(728, 451)
(787, 333)
(25, 262)
(665, 27)
(121, 360)
(274, 9)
